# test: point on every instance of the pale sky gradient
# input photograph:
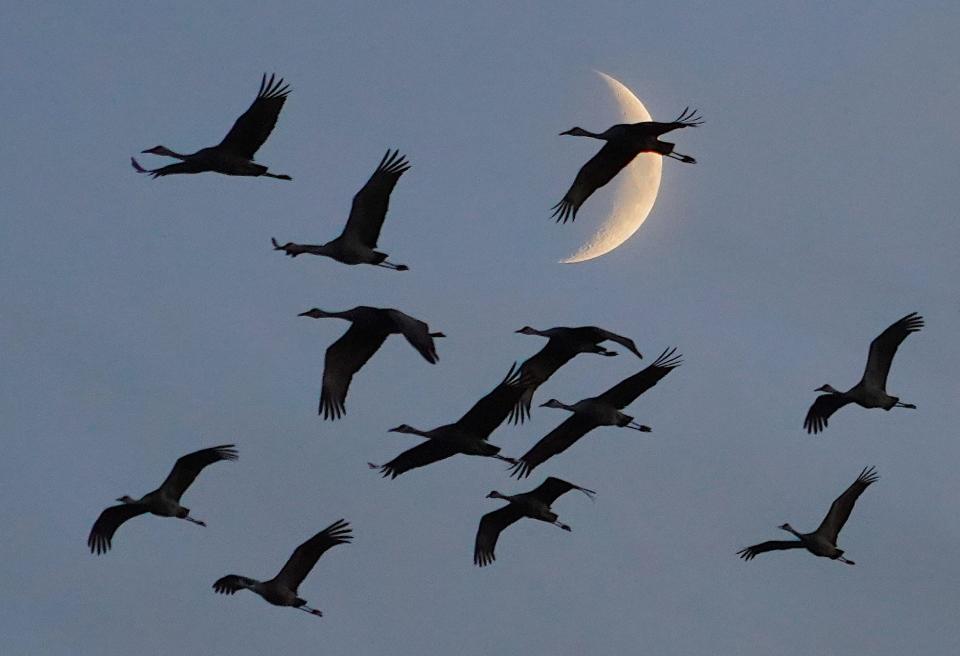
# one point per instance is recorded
(143, 319)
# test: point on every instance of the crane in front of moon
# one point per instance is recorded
(624, 142)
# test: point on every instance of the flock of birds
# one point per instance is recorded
(510, 400)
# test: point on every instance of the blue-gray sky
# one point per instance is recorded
(144, 319)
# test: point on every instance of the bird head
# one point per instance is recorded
(126, 498)
(315, 313)
(494, 495)
(527, 330)
(576, 132)
(786, 527)
(827, 388)
(553, 403)
(159, 150)
(437, 335)
(404, 428)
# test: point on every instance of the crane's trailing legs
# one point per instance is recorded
(312, 611)
(898, 404)
(395, 267)
(640, 427)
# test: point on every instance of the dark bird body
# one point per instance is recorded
(468, 435)
(163, 502)
(281, 590)
(564, 344)
(358, 242)
(534, 504)
(369, 330)
(624, 142)
(823, 541)
(871, 391)
(603, 410)
(233, 155)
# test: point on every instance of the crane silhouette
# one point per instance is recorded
(534, 504)
(624, 142)
(281, 590)
(468, 435)
(163, 502)
(823, 541)
(358, 242)
(871, 391)
(369, 329)
(233, 155)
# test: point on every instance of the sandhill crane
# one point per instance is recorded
(823, 541)
(281, 590)
(163, 502)
(369, 330)
(563, 345)
(534, 504)
(603, 410)
(357, 242)
(624, 142)
(468, 435)
(233, 155)
(871, 391)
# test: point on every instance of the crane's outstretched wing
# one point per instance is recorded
(101, 535)
(417, 333)
(884, 347)
(489, 530)
(556, 441)
(840, 509)
(370, 203)
(824, 406)
(534, 371)
(494, 408)
(625, 342)
(255, 125)
(687, 119)
(598, 171)
(419, 456)
(230, 583)
(626, 391)
(187, 467)
(306, 555)
(343, 359)
(553, 487)
(773, 545)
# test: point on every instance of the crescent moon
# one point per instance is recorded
(637, 190)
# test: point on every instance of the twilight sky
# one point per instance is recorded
(145, 319)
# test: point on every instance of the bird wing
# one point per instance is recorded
(419, 456)
(840, 509)
(821, 409)
(687, 119)
(884, 347)
(230, 583)
(417, 334)
(489, 530)
(626, 342)
(255, 125)
(187, 467)
(370, 203)
(626, 391)
(556, 441)
(553, 487)
(306, 555)
(598, 171)
(343, 359)
(101, 535)
(773, 545)
(536, 370)
(493, 409)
